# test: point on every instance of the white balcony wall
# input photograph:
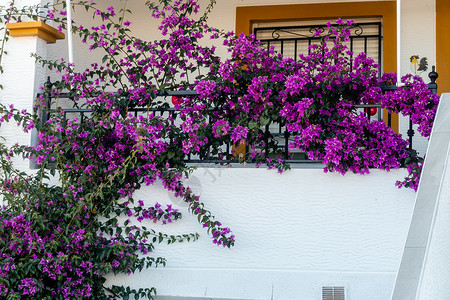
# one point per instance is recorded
(296, 232)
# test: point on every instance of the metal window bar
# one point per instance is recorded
(273, 35)
(276, 133)
(278, 36)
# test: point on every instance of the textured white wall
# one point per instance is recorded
(21, 82)
(435, 275)
(423, 272)
(22, 77)
(295, 233)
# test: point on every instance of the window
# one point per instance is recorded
(294, 38)
(385, 11)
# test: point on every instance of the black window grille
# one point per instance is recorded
(291, 41)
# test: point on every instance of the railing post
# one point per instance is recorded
(433, 76)
(286, 144)
(44, 113)
(433, 87)
(48, 100)
(410, 133)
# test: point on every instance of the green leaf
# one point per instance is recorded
(264, 121)
(252, 124)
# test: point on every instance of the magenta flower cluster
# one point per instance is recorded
(62, 240)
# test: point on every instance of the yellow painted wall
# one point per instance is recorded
(443, 45)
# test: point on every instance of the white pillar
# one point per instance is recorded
(69, 31)
(21, 81)
(418, 38)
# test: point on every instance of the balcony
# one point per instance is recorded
(304, 232)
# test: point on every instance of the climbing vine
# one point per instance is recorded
(61, 240)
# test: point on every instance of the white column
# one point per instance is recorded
(69, 31)
(21, 80)
(417, 38)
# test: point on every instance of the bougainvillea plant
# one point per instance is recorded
(59, 241)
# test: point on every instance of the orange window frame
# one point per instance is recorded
(246, 16)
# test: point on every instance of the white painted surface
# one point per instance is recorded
(202, 284)
(69, 32)
(423, 273)
(295, 232)
(435, 274)
(21, 81)
(418, 38)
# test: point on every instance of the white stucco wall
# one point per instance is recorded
(21, 82)
(423, 272)
(296, 232)
(435, 276)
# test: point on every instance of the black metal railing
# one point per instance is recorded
(80, 114)
(275, 135)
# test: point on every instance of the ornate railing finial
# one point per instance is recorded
(48, 85)
(48, 100)
(433, 75)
